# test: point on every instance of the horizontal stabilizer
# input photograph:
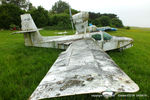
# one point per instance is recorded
(28, 31)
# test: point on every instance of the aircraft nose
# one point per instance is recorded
(130, 40)
(124, 42)
(128, 43)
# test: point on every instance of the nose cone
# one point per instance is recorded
(124, 42)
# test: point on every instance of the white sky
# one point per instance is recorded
(131, 12)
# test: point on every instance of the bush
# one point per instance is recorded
(14, 27)
(10, 14)
(61, 20)
(104, 21)
(40, 16)
(117, 22)
(128, 28)
(73, 11)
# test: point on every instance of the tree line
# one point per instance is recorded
(57, 17)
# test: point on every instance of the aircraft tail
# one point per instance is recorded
(31, 33)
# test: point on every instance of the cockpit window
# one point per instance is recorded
(96, 36)
(107, 36)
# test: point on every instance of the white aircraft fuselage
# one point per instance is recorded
(84, 67)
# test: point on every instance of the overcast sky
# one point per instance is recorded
(131, 12)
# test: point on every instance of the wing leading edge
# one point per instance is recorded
(83, 68)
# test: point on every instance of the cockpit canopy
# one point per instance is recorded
(99, 37)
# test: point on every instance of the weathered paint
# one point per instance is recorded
(81, 70)
(33, 38)
(31, 33)
(81, 22)
(116, 43)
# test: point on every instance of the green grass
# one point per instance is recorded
(54, 32)
(22, 68)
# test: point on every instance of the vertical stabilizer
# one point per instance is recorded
(31, 34)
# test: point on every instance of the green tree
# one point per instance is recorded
(93, 18)
(110, 15)
(73, 11)
(40, 16)
(60, 20)
(104, 21)
(117, 22)
(60, 7)
(31, 7)
(93, 15)
(9, 14)
(19, 3)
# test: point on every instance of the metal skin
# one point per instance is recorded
(33, 38)
(116, 43)
(84, 67)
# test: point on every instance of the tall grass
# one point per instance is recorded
(22, 68)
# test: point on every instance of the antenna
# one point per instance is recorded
(71, 17)
(57, 4)
(28, 6)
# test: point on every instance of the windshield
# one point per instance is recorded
(107, 36)
(96, 36)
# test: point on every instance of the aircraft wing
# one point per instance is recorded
(83, 68)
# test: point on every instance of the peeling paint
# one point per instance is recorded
(96, 73)
(84, 67)
(71, 83)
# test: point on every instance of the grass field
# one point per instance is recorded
(22, 68)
